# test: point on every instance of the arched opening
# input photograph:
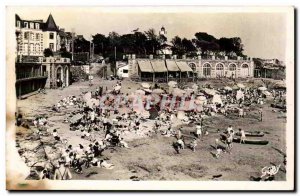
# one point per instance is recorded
(232, 71)
(219, 70)
(193, 67)
(244, 70)
(66, 78)
(59, 77)
(206, 70)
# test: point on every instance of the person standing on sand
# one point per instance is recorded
(198, 130)
(62, 172)
(193, 144)
(243, 136)
(261, 114)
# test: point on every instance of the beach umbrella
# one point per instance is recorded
(76, 118)
(140, 92)
(201, 98)
(145, 85)
(117, 88)
(262, 88)
(172, 83)
(158, 91)
(280, 84)
(200, 94)
(240, 85)
(228, 88)
(87, 96)
(267, 93)
(178, 92)
(210, 91)
(148, 90)
(189, 90)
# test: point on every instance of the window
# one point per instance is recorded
(232, 67)
(18, 24)
(206, 70)
(25, 48)
(37, 26)
(51, 46)
(32, 49)
(26, 35)
(26, 24)
(32, 25)
(125, 70)
(219, 67)
(31, 36)
(37, 47)
(51, 36)
(192, 66)
(37, 36)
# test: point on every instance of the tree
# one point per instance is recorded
(114, 40)
(152, 43)
(48, 52)
(100, 43)
(207, 43)
(188, 46)
(177, 46)
(64, 53)
(81, 45)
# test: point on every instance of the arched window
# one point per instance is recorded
(206, 69)
(192, 66)
(219, 67)
(232, 67)
(245, 70)
(245, 66)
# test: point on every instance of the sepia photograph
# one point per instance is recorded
(150, 98)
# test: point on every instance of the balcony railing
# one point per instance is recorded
(30, 75)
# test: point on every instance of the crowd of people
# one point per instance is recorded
(103, 128)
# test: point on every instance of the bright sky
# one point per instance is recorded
(264, 34)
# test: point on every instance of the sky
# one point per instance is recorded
(263, 33)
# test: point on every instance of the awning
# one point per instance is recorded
(171, 65)
(183, 66)
(159, 66)
(145, 66)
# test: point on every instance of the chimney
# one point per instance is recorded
(151, 56)
(184, 56)
(199, 57)
(163, 56)
(213, 57)
(174, 56)
(133, 56)
(226, 58)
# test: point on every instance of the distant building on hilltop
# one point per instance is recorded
(165, 47)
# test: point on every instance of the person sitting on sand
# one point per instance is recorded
(123, 144)
(180, 142)
(55, 135)
(193, 144)
(218, 153)
(229, 129)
